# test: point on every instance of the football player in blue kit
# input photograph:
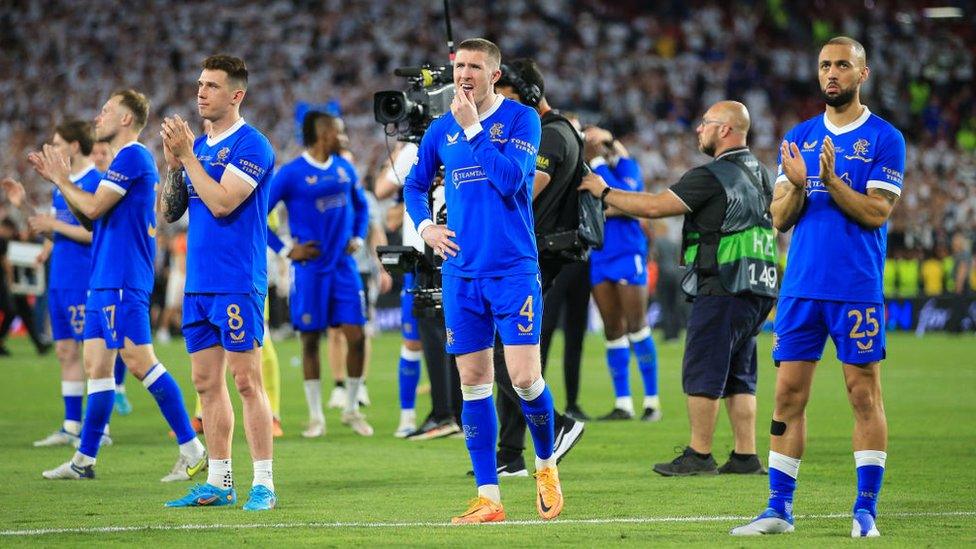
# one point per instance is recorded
(488, 147)
(69, 250)
(840, 176)
(123, 221)
(222, 178)
(618, 274)
(327, 211)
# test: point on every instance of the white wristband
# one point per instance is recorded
(283, 252)
(472, 130)
(423, 225)
(597, 162)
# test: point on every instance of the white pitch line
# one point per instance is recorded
(336, 525)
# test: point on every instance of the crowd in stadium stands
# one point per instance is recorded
(646, 77)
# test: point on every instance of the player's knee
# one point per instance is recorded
(413, 345)
(864, 400)
(248, 384)
(524, 379)
(791, 398)
(614, 331)
(204, 382)
(66, 351)
(355, 338)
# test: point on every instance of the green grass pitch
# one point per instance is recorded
(347, 490)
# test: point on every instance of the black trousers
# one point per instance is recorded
(445, 382)
(511, 435)
(568, 300)
(16, 305)
(671, 298)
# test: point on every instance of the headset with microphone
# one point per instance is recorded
(529, 93)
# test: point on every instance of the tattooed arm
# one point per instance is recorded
(175, 196)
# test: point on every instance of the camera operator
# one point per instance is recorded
(559, 168)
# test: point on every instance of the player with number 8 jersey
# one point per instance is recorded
(223, 179)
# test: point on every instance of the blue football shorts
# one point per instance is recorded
(322, 299)
(408, 324)
(116, 315)
(802, 326)
(629, 269)
(475, 307)
(67, 310)
(232, 321)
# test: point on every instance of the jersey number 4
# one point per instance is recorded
(528, 313)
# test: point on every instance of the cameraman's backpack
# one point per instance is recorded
(578, 209)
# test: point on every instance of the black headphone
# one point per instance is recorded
(529, 93)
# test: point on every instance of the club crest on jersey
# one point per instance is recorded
(452, 139)
(311, 179)
(809, 146)
(343, 175)
(860, 151)
(221, 158)
(496, 132)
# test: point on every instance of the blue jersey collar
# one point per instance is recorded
(211, 141)
(857, 123)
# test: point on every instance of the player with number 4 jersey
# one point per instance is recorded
(488, 147)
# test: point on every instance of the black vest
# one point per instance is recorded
(743, 252)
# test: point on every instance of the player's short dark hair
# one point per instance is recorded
(310, 126)
(859, 50)
(528, 71)
(77, 131)
(233, 66)
(485, 46)
(137, 103)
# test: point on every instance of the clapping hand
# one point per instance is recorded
(50, 164)
(14, 191)
(177, 137)
(827, 160)
(794, 167)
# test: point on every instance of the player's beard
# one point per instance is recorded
(841, 98)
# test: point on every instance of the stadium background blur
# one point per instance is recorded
(645, 76)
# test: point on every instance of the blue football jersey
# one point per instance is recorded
(71, 260)
(831, 256)
(623, 235)
(488, 182)
(228, 254)
(124, 239)
(325, 203)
